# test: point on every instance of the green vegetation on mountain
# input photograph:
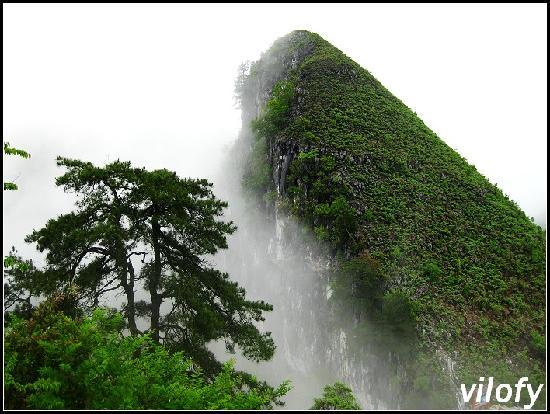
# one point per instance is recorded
(459, 259)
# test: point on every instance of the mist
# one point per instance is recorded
(279, 260)
(154, 85)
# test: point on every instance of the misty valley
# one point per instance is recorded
(343, 257)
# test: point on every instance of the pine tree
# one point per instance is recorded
(124, 213)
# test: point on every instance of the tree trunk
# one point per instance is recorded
(156, 298)
(131, 310)
(124, 266)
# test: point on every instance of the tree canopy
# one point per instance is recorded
(133, 227)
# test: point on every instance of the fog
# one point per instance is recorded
(154, 85)
(272, 257)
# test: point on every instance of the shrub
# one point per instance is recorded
(340, 220)
(336, 397)
(431, 270)
(55, 362)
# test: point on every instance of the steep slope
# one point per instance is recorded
(426, 250)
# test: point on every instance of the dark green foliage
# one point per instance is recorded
(276, 111)
(336, 221)
(431, 270)
(9, 150)
(257, 173)
(53, 361)
(22, 281)
(170, 224)
(368, 174)
(361, 280)
(336, 397)
(427, 386)
(17, 294)
(538, 345)
(398, 313)
(14, 262)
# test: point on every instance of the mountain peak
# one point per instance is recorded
(370, 179)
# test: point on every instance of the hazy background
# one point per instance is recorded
(154, 84)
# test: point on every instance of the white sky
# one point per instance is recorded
(154, 84)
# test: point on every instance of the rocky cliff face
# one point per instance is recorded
(276, 259)
(391, 263)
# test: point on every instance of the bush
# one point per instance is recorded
(336, 397)
(276, 111)
(339, 218)
(257, 172)
(55, 362)
(431, 270)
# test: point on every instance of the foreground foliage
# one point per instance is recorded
(57, 361)
(336, 397)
